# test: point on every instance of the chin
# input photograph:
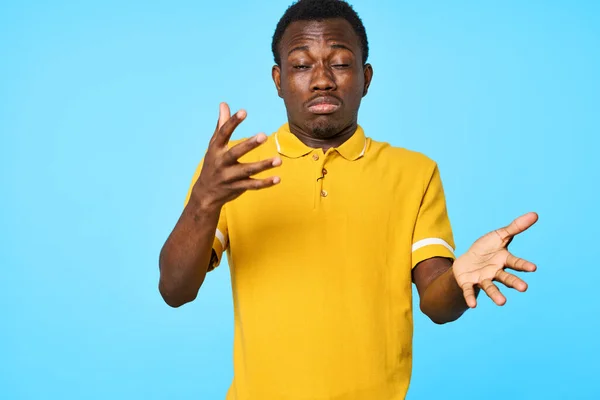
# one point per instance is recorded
(324, 129)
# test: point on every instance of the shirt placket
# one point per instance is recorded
(321, 191)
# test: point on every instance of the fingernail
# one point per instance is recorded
(276, 162)
(261, 137)
(276, 180)
(241, 113)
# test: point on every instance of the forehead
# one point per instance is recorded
(328, 30)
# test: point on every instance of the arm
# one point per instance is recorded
(433, 254)
(187, 254)
(441, 299)
(448, 289)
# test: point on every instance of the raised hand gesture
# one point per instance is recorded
(487, 260)
(223, 178)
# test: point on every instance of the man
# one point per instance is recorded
(325, 231)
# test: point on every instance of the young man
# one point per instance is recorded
(326, 229)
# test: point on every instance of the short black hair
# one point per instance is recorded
(318, 10)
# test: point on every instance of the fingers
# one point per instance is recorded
(224, 132)
(518, 264)
(511, 281)
(224, 115)
(519, 225)
(244, 171)
(493, 292)
(255, 184)
(469, 294)
(246, 146)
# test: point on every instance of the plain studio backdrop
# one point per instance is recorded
(107, 107)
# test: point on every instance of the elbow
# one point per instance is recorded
(176, 302)
(439, 321)
(173, 289)
(438, 317)
(173, 298)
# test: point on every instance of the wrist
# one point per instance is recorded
(204, 204)
(453, 277)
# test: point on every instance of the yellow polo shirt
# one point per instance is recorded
(321, 269)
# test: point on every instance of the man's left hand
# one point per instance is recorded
(487, 260)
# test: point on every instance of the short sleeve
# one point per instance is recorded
(221, 240)
(432, 236)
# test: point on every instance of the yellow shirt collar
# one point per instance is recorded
(290, 146)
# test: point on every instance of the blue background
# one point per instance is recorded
(106, 108)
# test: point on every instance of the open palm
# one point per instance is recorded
(487, 260)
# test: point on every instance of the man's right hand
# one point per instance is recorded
(186, 255)
(223, 178)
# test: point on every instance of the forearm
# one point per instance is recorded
(185, 257)
(443, 300)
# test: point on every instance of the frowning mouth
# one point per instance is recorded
(324, 105)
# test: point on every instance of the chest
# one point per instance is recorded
(333, 199)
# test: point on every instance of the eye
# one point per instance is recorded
(301, 67)
(340, 66)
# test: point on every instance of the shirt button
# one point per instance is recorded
(324, 193)
(315, 156)
(324, 171)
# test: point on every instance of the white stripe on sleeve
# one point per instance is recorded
(431, 241)
(219, 235)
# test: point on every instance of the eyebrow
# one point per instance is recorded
(341, 46)
(333, 46)
(299, 48)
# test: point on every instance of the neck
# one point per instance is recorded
(323, 143)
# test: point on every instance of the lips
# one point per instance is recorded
(323, 105)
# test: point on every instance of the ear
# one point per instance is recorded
(276, 74)
(368, 71)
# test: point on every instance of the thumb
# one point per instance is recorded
(520, 224)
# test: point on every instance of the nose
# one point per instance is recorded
(322, 79)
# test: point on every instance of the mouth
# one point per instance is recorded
(324, 105)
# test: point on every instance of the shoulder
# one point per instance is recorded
(401, 158)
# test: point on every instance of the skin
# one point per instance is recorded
(322, 60)
(447, 289)
(185, 257)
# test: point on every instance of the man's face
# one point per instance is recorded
(321, 78)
